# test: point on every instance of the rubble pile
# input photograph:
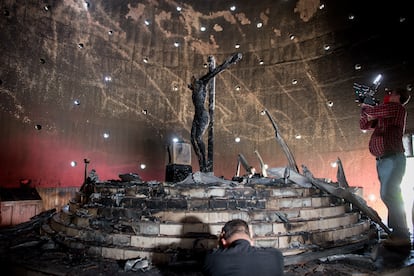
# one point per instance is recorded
(175, 223)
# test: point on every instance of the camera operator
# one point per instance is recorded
(387, 120)
(236, 254)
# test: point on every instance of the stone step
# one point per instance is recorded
(222, 216)
(153, 234)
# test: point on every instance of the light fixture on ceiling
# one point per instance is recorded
(233, 8)
(203, 29)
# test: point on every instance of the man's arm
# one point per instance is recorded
(366, 121)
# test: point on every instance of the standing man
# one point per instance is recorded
(237, 256)
(388, 122)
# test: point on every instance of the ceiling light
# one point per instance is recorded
(237, 88)
(145, 60)
(73, 163)
(233, 8)
(106, 135)
(259, 25)
(76, 102)
(351, 17)
(176, 44)
(292, 37)
(143, 166)
(261, 62)
(326, 47)
(237, 139)
(357, 66)
(202, 28)
(147, 22)
(179, 8)
(329, 103)
(321, 6)
(298, 136)
(294, 81)
(38, 127)
(237, 46)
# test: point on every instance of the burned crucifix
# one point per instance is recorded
(201, 116)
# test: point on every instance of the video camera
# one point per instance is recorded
(366, 94)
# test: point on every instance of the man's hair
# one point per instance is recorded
(404, 95)
(234, 226)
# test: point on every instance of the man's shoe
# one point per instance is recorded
(397, 242)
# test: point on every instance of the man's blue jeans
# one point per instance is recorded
(391, 170)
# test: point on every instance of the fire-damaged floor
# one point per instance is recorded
(128, 226)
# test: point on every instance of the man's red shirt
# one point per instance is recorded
(388, 121)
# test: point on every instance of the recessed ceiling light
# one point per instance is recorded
(203, 29)
(237, 46)
(259, 25)
(233, 8)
